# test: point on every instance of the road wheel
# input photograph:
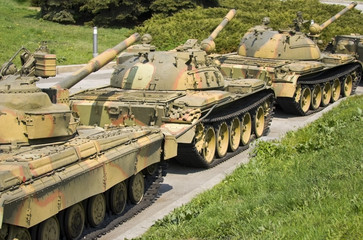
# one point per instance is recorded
(49, 229)
(118, 198)
(246, 127)
(18, 233)
(259, 121)
(326, 94)
(74, 221)
(335, 91)
(234, 134)
(136, 188)
(315, 97)
(222, 139)
(96, 209)
(206, 145)
(151, 170)
(347, 85)
(305, 99)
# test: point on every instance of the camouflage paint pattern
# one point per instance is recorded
(97, 62)
(281, 58)
(47, 178)
(27, 113)
(46, 157)
(316, 29)
(278, 45)
(172, 90)
(348, 44)
(208, 44)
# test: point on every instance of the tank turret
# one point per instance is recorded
(187, 67)
(288, 44)
(29, 114)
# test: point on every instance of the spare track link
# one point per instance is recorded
(291, 106)
(187, 153)
(113, 221)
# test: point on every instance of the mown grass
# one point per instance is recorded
(21, 26)
(308, 185)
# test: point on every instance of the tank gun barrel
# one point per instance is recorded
(96, 63)
(208, 43)
(316, 29)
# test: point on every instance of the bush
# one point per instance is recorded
(113, 12)
(198, 23)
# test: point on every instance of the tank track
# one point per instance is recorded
(153, 184)
(188, 154)
(291, 106)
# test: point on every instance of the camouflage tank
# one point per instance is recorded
(183, 93)
(304, 78)
(347, 44)
(56, 177)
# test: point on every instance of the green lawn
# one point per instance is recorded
(21, 26)
(308, 185)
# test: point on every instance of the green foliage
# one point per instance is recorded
(169, 7)
(198, 23)
(291, 189)
(113, 12)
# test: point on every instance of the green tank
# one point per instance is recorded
(304, 79)
(183, 93)
(56, 176)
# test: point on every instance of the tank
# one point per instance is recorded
(56, 176)
(183, 93)
(347, 44)
(304, 79)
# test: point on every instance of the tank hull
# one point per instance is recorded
(289, 78)
(60, 176)
(181, 114)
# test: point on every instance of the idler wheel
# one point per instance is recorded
(74, 221)
(246, 127)
(335, 90)
(96, 209)
(305, 99)
(222, 139)
(18, 233)
(316, 97)
(327, 92)
(118, 198)
(136, 188)
(49, 229)
(206, 145)
(234, 134)
(347, 85)
(259, 121)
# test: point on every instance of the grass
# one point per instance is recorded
(308, 185)
(21, 26)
